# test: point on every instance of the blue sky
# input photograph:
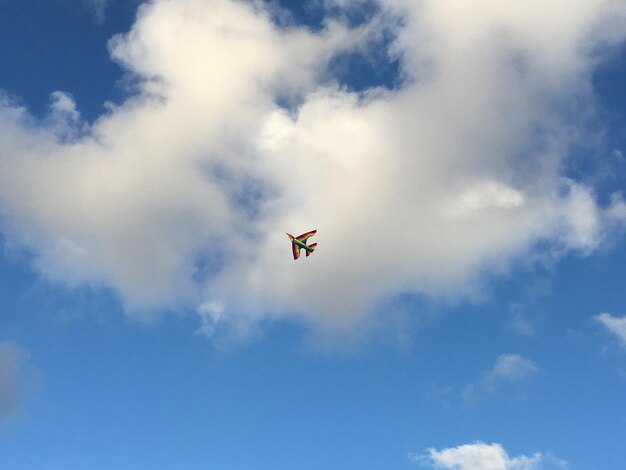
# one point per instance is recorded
(463, 166)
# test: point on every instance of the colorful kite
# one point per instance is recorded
(300, 242)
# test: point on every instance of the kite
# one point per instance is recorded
(298, 243)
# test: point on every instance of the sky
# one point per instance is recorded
(464, 166)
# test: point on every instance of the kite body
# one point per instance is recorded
(298, 243)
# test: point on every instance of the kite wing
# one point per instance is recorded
(312, 246)
(296, 251)
(304, 237)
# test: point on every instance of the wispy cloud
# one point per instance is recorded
(520, 321)
(181, 195)
(522, 325)
(508, 368)
(481, 456)
(98, 9)
(615, 325)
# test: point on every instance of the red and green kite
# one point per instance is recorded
(300, 242)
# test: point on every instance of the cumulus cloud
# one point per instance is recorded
(11, 387)
(481, 456)
(615, 325)
(508, 368)
(180, 197)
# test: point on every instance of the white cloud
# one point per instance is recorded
(616, 325)
(508, 368)
(481, 456)
(11, 386)
(512, 367)
(181, 195)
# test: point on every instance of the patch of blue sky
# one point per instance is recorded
(49, 46)
(364, 70)
(315, 14)
(608, 82)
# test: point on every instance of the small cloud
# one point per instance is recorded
(522, 326)
(508, 368)
(520, 322)
(11, 384)
(512, 367)
(63, 117)
(98, 10)
(616, 211)
(481, 456)
(63, 104)
(615, 325)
